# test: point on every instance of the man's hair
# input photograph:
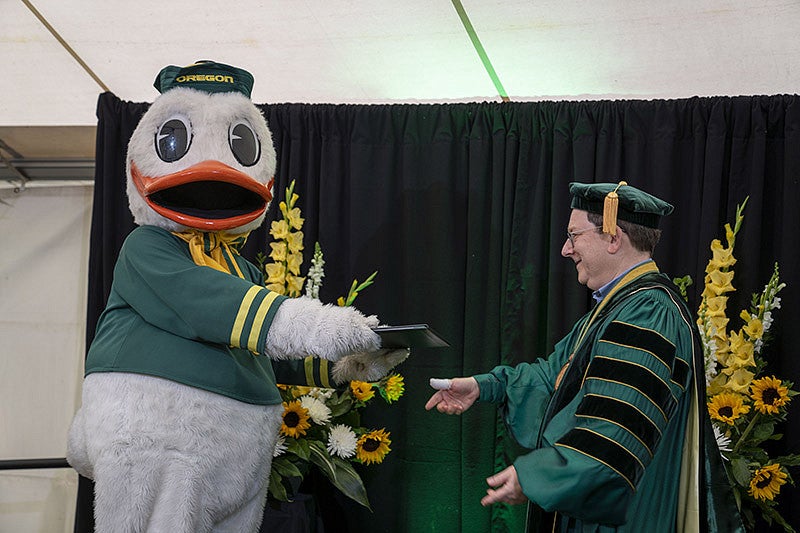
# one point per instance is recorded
(642, 238)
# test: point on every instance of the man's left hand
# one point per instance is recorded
(505, 488)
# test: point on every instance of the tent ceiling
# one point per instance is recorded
(375, 52)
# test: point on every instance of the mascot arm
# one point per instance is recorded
(157, 278)
(368, 366)
(305, 326)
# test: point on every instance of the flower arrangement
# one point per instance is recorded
(744, 402)
(320, 426)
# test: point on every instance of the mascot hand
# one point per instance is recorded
(368, 366)
(305, 326)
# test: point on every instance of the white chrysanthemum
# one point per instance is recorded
(280, 446)
(723, 442)
(342, 441)
(317, 410)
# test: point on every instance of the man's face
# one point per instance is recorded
(588, 248)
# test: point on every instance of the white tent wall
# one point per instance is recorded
(44, 235)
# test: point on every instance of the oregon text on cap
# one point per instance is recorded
(204, 77)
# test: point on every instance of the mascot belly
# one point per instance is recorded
(180, 412)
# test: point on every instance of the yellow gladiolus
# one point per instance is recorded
(293, 263)
(276, 272)
(721, 341)
(754, 328)
(279, 229)
(719, 282)
(278, 252)
(742, 349)
(294, 284)
(293, 218)
(730, 235)
(724, 357)
(717, 326)
(717, 384)
(295, 241)
(739, 381)
(721, 257)
(715, 306)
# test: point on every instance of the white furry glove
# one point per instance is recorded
(369, 366)
(305, 326)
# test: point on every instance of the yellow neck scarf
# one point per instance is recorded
(214, 250)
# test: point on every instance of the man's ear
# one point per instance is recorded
(614, 242)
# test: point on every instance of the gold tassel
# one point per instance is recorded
(610, 206)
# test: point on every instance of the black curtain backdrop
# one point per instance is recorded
(462, 209)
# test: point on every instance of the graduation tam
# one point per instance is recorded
(208, 76)
(618, 201)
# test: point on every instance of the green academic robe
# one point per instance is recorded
(607, 443)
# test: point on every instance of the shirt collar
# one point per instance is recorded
(601, 293)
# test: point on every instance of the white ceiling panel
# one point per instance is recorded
(376, 51)
(42, 84)
(647, 49)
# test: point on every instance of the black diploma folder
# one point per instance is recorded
(410, 336)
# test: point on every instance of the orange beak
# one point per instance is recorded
(209, 196)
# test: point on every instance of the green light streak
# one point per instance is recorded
(476, 43)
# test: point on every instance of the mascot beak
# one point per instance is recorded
(209, 196)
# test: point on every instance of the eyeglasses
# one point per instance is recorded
(572, 234)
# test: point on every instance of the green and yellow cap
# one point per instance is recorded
(208, 76)
(618, 201)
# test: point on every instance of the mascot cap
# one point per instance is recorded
(618, 201)
(208, 76)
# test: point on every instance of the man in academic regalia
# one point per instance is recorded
(614, 418)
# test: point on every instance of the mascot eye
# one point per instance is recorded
(244, 143)
(173, 139)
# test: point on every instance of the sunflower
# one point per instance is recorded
(769, 395)
(361, 390)
(727, 407)
(393, 388)
(766, 482)
(295, 419)
(372, 447)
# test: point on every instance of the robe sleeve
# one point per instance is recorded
(524, 391)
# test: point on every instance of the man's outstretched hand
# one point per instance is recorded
(454, 397)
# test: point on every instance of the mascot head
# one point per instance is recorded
(202, 155)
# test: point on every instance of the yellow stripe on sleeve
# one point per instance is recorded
(323, 373)
(244, 310)
(258, 322)
(308, 366)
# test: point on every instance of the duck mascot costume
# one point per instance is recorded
(180, 411)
